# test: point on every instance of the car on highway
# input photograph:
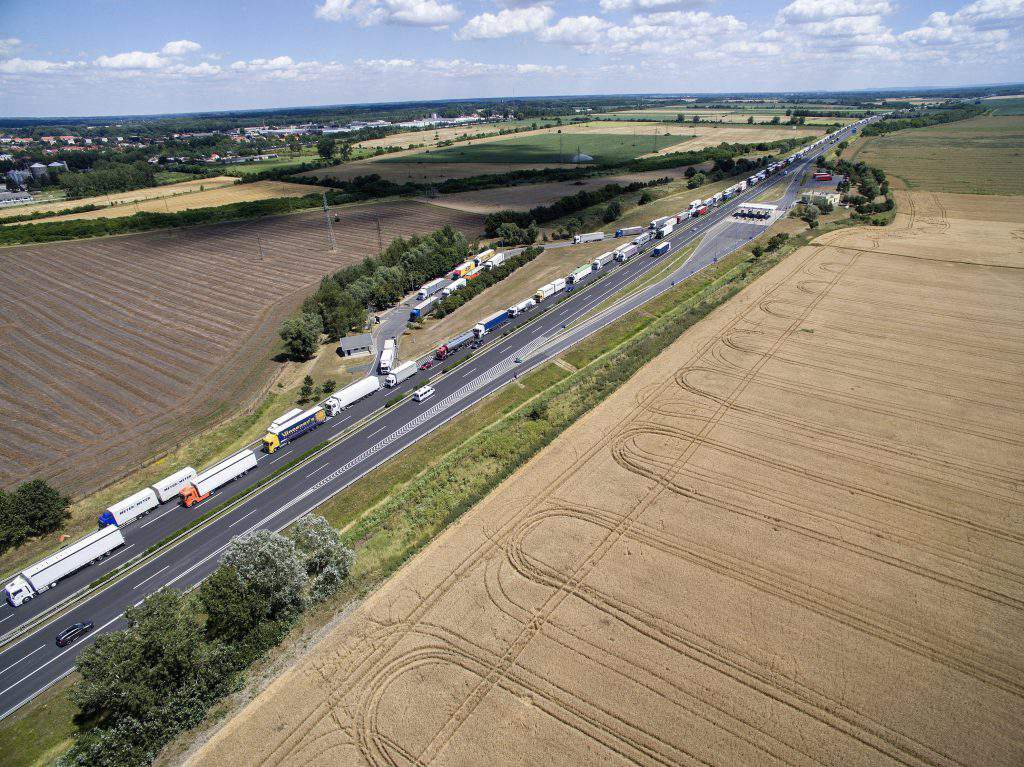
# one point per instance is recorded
(518, 360)
(422, 393)
(73, 632)
(427, 365)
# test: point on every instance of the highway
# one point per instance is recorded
(32, 662)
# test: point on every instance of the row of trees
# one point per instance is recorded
(107, 177)
(483, 281)
(181, 652)
(32, 509)
(564, 206)
(920, 119)
(340, 302)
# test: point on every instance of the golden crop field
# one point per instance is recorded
(210, 198)
(983, 155)
(121, 198)
(796, 537)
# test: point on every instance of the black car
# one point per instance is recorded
(72, 632)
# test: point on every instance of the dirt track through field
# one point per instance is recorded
(796, 537)
(116, 348)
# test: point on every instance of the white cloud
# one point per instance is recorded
(625, 5)
(414, 13)
(131, 60)
(979, 29)
(9, 45)
(677, 22)
(575, 30)
(18, 66)
(180, 48)
(505, 23)
(203, 69)
(802, 11)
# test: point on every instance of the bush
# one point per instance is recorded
(645, 197)
(301, 335)
(33, 509)
(612, 212)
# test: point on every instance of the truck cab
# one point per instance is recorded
(19, 591)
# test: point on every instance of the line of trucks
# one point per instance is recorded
(192, 487)
(430, 294)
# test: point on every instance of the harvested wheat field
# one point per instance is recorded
(122, 198)
(210, 198)
(796, 537)
(420, 172)
(118, 347)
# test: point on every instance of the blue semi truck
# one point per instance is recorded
(490, 323)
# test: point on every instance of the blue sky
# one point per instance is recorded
(90, 57)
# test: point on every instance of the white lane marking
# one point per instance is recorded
(7, 618)
(315, 470)
(158, 517)
(41, 647)
(283, 454)
(470, 370)
(382, 428)
(154, 575)
(247, 515)
(69, 648)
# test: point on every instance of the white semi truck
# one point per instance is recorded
(546, 291)
(388, 356)
(587, 237)
(523, 306)
(343, 399)
(603, 260)
(144, 501)
(431, 288)
(216, 476)
(401, 373)
(44, 574)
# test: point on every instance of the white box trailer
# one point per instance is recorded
(579, 274)
(588, 237)
(666, 230)
(217, 476)
(44, 574)
(401, 373)
(168, 487)
(431, 288)
(286, 417)
(523, 306)
(603, 260)
(623, 254)
(449, 289)
(494, 261)
(129, 509)
(546, 291)
(343, 399)
(388, 357)
(643, 239)
(657, 223)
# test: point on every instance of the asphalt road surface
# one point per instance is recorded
(32, 662)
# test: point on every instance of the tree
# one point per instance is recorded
(696, 118)
(775, 120)
(301, 335)
(42, 507)
(133, 672)
(259, 582)
(328, 387)
(326, 558)
(325, 147)
(697, 180)
(645, 197)
(306, 390)
(680, 118)
(750, 120)
(346, 151)
(612, 212)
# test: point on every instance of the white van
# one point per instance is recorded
(422, 393)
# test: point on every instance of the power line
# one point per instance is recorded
(327, 220)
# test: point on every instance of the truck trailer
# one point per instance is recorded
(603, 260)
(578, 274)
(523, 306)
(401, 373)
(451, 288)
(216, 476)
(643, 239)
(423, 308)
(388, 356)
(627, 231)
(453, 345)
(661, 249)
(494, 261)
(666, 230)
(431, 288)
(44, 574)
(461, 269)
(546, 291)
(345, 398)
(293, 428)
(626, 252)
(481, 257)
(168, 487)
(488, 324)
(588, 237)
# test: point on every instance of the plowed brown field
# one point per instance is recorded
(794, 538)
(115, 348)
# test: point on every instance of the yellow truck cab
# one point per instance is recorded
(286, 429)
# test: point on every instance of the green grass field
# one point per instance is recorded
(983, 155)
(1005, 106)
(541, 148)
